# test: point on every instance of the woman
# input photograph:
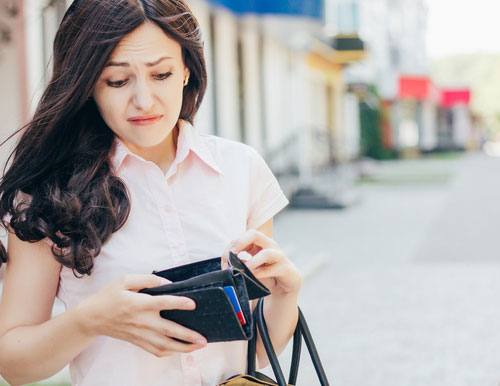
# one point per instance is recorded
(109, 182)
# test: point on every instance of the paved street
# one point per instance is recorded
(402, 288)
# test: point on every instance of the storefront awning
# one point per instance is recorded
(452, 97)
(311, 8)
(418, 88)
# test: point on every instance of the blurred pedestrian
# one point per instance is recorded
(111, 181)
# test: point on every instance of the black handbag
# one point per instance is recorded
(255, 378)
(215, 316)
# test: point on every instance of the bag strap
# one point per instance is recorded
(297, 346)
(266, 341)
(301, 330)
(313, 352)
(252, 352)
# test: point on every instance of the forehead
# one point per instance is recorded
(146, 42)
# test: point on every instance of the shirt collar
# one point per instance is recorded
(188, 140)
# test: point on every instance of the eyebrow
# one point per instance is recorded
(125, 64)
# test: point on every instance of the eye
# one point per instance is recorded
(116, 84)
(162, 76)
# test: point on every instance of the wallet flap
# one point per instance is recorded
(190, 270)
(255, 288)
(206, 280)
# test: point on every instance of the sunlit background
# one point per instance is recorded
(381, 120)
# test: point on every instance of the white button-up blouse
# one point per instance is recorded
(215, 190)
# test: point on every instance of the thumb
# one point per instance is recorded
(137, 282)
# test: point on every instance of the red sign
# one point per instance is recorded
(454, 97)
(415, 87)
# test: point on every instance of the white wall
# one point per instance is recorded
(462, 126)
(10, 97)
(318, 117)
(351, 126)
(10, 106)
(226, 74)
(205, 117)
(34, 52)
(252, 91)
(429, 138)
(277, 92)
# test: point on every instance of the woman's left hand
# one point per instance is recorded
(268, 263)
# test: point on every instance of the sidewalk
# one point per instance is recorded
(405, 287)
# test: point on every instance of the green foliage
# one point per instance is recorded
(371, 133)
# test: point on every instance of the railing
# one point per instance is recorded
(284, 159)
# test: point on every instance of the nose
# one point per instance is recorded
(143, 99)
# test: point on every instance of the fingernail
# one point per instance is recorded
(164, 281)
(190, 304)
(200, 342)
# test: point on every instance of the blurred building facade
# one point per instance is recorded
(309, 84)
(275, 80)
(394, 34)
(393, 82)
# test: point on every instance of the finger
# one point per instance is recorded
(161, 345)
(285, 275)
(268, 272)
(159, 353)
(135, 282)
(265, 257)
(174, 330)
(183, 347)
(247, 239)
(224, 260)
(170, 302)
(253, 249)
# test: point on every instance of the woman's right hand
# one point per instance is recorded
(120, 312)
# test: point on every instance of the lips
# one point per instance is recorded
(145, 120)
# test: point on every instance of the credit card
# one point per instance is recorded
(236, 304)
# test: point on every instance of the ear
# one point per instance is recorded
(187, 73)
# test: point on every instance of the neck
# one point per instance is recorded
(162, 154)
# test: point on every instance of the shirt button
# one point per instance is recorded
(189, 360)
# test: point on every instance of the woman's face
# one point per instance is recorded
(139, 93)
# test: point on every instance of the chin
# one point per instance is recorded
(145, 141)
(149, 142)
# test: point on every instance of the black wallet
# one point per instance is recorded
(214, 317)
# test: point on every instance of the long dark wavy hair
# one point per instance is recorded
(60, 184)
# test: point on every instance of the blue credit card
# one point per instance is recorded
(236, 304)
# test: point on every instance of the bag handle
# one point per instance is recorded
(252, 352)
(268, 345)
(297, 346)
(302, 330)
(313, 352)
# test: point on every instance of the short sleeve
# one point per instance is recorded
(266, 198)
